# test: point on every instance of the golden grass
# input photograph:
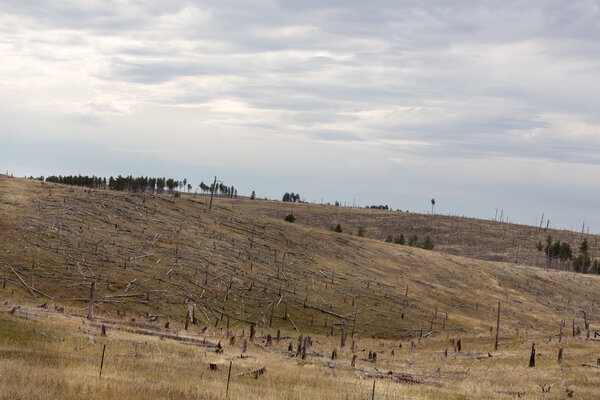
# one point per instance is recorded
(41, 367)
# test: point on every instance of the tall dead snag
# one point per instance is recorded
(373, 394)
(90, 315)
(228, 379)
(102, 360)
(587, 324)
(306, 341)
(560, 331)
(252, 331)
(299, 347)
(560, 354)
(532, 357)
(497, 327)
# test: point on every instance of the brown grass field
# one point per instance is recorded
(153, 258)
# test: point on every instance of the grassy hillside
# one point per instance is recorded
(153, 258)
(156, 256)
(468, 237)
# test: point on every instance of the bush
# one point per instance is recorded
(338, 228)
(388, 239)
(290, 218)
(361, 231)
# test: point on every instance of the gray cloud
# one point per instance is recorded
(360, 88)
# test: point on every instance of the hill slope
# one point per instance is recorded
(155, 257)
(468, 237)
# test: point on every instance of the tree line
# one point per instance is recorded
(559, 255)
(291, 197)
(139, 184)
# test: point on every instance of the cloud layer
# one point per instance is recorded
(481, 105)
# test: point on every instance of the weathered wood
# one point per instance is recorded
(532, 357)
(185, 340)
(228, 379)
(102, 361)
(497, 327)
(256, 373)
(90, 314)
(299, 346)
(586, 324)
(373, 394)
(23, 282)
(304, 346)
(590, 365)
(560, 354)
(560, 332)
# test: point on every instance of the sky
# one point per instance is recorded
(482, 105)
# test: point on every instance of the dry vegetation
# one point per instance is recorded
(468, 237)
(154, 258)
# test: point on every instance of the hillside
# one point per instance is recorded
(162, 263)
(153, 257)
(468, 237)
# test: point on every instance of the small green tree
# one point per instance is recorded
(583, 261)
(361, 231)
(253, 195)
(290, 218)
(427, 243)
(413, 240)
(338, 228)
(388, 239)
(399, 240)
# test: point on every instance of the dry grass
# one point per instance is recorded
(235, 263)
(468, 237)
(42, 367)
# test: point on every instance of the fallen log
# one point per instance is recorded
(254, 373)
(183, 339)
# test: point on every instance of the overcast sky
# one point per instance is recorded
(482, 105)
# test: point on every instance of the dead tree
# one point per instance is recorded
(497, 327)
(532, 357)
(90, 315)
